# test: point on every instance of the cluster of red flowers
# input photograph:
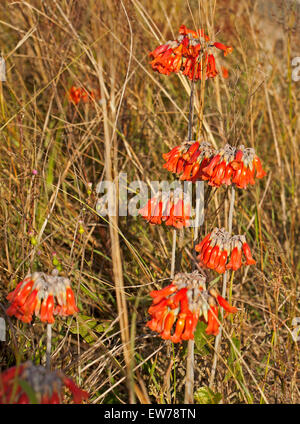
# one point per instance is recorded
(76, 94)
(189, 159)
(220, 251)
(185, 301)
(190, 53)
(38, 293)
(196, 160)
(171, 208)
(46, 385)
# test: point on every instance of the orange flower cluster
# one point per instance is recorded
(38, 293)
(76, 94)
(196, 160)
(185, 301)
(46, 385)
(220, 251)
(171, 208)
(190, 54)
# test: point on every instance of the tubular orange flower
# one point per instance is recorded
(247, 253)
(226, 49)
(182, 304)
(211, 66)
(76, 94)
(225, 305)
(220, 268)
(212, 260)
(209, 169)
(220, 251)
(236, 259)
(46, 314)
(43, 295)
(190, 54)
(180, 324)
(213, 323)
(225, 72)
(196, 160)
(46, 385)
(171, 208)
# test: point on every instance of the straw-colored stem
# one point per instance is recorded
(173, 254)
(219, 336)
(202, 93)
(189, 378)
(48, 347)
(191, 112)
(110, 163)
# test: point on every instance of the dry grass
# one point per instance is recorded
(50, 219)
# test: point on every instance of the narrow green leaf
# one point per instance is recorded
(29, 391)
(201, 339)
(204, 395)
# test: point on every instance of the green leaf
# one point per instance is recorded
(233, 362)
(235, 369)
(29, 391)
(205, 395)
(89, 293)
(88, 327)
(201, 339)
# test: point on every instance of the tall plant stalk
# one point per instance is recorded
(189, 385)
(225, 275)
(173, 253)
(190, 134)
(189, 378)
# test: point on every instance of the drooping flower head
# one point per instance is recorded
(189, 159)
(195, 160)
(172, 208)
(220, 251)
(43, 295)
(46, 385)
(176, 309)
(191, 54)
(234, 165)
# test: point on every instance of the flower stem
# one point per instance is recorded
(202, 93)
(191, 112)
(189, 377)
(173, 254)
(48, 348)
(219, 336)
